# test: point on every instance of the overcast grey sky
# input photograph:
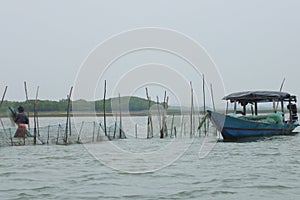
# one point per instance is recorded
(255, 44)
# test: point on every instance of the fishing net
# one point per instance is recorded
(84, 132)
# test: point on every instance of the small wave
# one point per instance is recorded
(6, 174)
(268, 154)
(221, 192)
(270, 187)
(188, 194)
(205, 182)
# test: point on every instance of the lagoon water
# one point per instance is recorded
(263, 169)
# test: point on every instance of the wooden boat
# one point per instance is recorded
(240, 124)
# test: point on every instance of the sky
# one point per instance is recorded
(253, 44)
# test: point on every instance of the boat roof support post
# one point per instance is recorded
(226, 107)
(255, 108)
(290, 110)
(235, 107)
(282, 110)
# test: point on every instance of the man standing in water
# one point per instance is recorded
(21, 119)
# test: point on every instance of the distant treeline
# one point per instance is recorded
(132, 104)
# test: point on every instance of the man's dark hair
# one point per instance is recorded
(20, 109)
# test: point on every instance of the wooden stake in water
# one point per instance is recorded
(115, 128)
(181, 126)
(37, 124)
(3, 96)
(175, 131)
(159, 116)
(48, 134)
(26, 95)
(94, 128)
(204, 103)
(212, 97)
(98, 133)
(104, 109)
(136, 131)
(3, 126)
(165, 116)
(120, 110)
(58, 131)
(34, 116)
(213, 102)
(192, 110)
(68, 116)
(149, 122)
(281, 86)
(163, 125)
(78, 139)
(172, 124)
(11, 140)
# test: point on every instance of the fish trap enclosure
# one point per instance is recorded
(84, 132)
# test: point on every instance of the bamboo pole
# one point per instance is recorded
(182, 121)
(192, 110)
(212, 97)
(163, 128)
(48, 134)
(280, 89)
(165, 116)
(159, 117)
(120, 110)
(115, 129)
(3, 96)
(104, 109)
(58, 131)
(34, 115)
(136, 131)
(26, 95)
(204, 103)
(149, 121)
(98, 133)
(2, 100)
(70, 123)
(12, 143)
(172, 125)
(3, 126)
(199, 126)
(175, 132)
(68, 116)
(37, 124)
(94, 127)
(81, 127)
(213, 102)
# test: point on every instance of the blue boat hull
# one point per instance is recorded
(233, 128)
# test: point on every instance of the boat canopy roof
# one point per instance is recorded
(259, 96)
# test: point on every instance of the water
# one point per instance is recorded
(264, 169)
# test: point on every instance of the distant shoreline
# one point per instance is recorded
(91, 114)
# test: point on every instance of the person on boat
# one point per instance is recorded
(22, 120)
